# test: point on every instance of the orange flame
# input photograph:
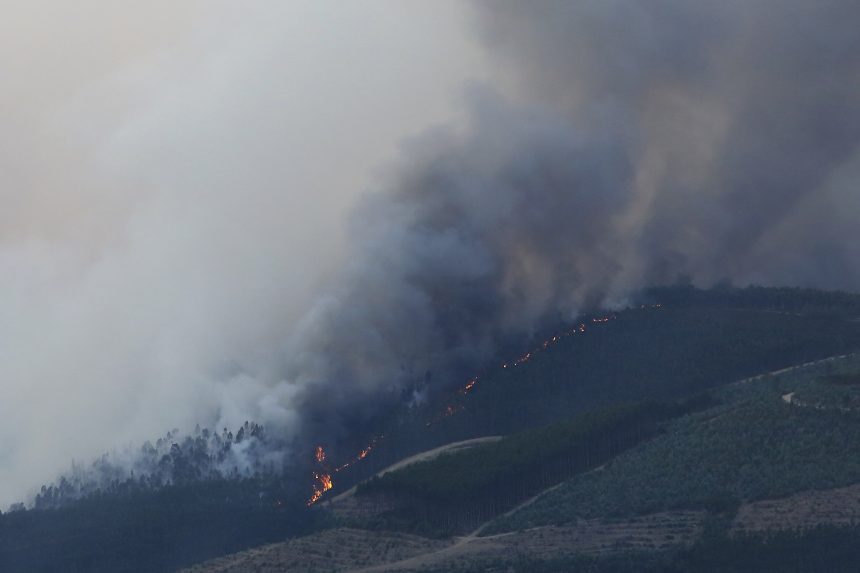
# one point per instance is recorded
(469, 385)
(324, 481)
(323, 484)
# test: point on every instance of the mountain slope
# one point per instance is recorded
(660, 350)
(696, 341)
(753, 446)
(716, 480)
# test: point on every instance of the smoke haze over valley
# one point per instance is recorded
(288, 214)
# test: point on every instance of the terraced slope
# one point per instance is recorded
(754, 446)
(753, 464)
(333, 550)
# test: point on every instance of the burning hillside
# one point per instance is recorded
(322, 481)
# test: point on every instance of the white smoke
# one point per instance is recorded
(174, 240)
(175, 182)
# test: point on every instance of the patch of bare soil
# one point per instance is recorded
(333, 550)
(803, 510)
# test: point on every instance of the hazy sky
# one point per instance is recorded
(175, 175)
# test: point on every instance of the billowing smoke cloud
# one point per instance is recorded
(625, 144)
(744, 118)
(175, 182)
(610, 145)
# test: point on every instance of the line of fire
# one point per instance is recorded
(323, 477)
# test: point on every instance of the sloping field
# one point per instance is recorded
(347, 549)
(339, 549)
(840, 506)
(350, 507)
(589, 537)
(754, 446)
(753, 431)
(423, 457)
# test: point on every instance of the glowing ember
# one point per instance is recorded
(320, 454)
(323, 484)
(469, 385)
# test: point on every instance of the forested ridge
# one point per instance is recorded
(779, 299)
(563, 412)
(175, 501)
(174, 459)
(739, 444)
(694, 341)
(152, 530)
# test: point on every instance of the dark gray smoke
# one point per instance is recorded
(629, 144)
(168, 221)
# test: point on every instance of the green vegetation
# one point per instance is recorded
(827, 394)
(852, 379)
(754, 446)
(654, 354)
(175, 459)
(776, 299)
(696, 341)
(465, 488)
(832, 549)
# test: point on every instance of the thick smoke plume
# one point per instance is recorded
(626, 144)
(175, 181)
(606, 146)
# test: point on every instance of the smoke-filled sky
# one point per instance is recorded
(281, 211)
(175, 181)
